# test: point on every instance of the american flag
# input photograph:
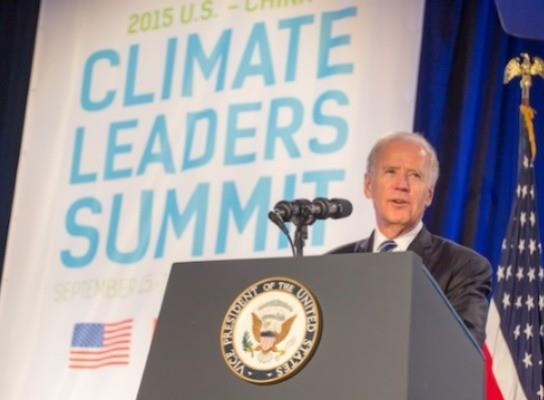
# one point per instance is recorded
(96, 345)
(515, 330)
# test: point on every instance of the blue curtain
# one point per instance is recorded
(472, 119)
(18, 20)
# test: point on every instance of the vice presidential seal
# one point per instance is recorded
(270, 330)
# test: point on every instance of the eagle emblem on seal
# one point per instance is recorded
(267, 336)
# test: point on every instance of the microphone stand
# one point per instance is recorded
(301, 235)
(301, 232)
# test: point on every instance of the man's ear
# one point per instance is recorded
(367, 187)
(429, 198)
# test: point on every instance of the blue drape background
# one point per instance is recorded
(18, 21)
(462, 108)
(472, 119)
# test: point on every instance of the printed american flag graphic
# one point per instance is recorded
(515, 330)
(96, 345)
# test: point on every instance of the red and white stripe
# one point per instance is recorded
(502, 381)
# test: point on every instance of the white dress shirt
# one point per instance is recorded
(402, 241)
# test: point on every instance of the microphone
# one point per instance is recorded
(319, 208)
(333, 208)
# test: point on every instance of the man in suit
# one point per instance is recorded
(402, 169)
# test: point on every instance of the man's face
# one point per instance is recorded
(399, 186)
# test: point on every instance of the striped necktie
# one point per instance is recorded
(387, 246)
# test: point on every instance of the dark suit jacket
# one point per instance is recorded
(463, 275)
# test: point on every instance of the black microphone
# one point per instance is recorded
(333, 208)
(319, 208)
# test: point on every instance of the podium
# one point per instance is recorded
(388, 332)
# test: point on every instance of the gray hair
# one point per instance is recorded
(406, 137)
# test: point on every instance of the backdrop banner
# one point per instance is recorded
(162, 131)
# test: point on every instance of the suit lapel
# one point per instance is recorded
(422, 245)
(365, 245)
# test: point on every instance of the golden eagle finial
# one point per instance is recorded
(526, 69)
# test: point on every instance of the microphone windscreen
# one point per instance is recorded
(344, 208)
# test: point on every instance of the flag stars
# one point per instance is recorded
(519, 274)
(541, 273)
(525, 162)
(518, 191)
(524, 191)
(531, 275)
(508, 272)
(541, 330)
(532, 192)
(503, 246)
(541, 303)
(540, 392)
(527, 360)
(528, 331)
(530, 303)
(532, 246)
(523, 218)
(506, 300)
(517, 331)
(521, 245)
(500, 273)
(532, 218)
(519, 302)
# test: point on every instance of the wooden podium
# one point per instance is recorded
(388, 333)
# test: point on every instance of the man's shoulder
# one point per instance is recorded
(456, 253)
(353, 247)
